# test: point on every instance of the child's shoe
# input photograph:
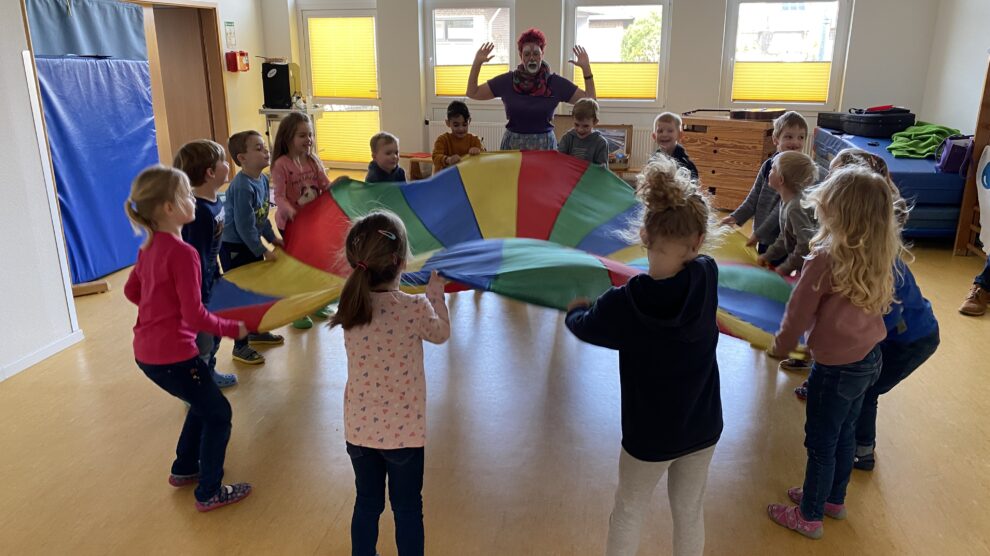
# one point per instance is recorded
(790, 517)
(795, 366)
(182, 480)
(304, 323)
(976, 302)
(224, 380)
(324, 313)
(866, 463)
(835, 511)
(802, 391)
(229, 494)
(247, 355)
(266, 339)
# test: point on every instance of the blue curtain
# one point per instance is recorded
(87, 28)
(101, 130)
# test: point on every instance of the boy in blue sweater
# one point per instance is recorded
(246, 222)
(206, 165)
(384, 165)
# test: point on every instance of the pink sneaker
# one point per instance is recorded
(790, 517)
(229, 494)
(835, 511)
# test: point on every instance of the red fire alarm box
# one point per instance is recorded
(237, 60)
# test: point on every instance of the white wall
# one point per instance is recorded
(35, 312)
(400, 75)
(958, 64)
(889, 45)
(244, 93)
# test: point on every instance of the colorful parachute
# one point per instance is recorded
(541, 227)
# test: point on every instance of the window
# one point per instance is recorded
(626, 44)
(344, 73)
(785, 52)
(457, 35)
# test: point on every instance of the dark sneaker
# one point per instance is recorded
(866, 463)
(795, 366)
(224, 380)
(266, 339)
(247, 355)
(182, 480)
(835, 511)
(229, 494)
(790, 517)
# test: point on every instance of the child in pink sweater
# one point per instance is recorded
(298, 177)
(845, 288)
(385, 396)
(165, 285)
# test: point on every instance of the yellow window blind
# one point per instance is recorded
(342, 54)
(343, 136)
(623, 80)
(780, 81)
(451, 81)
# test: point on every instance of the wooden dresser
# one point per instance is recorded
(728, 154)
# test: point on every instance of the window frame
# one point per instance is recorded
(430, 47)
(617, 104)
(306, 66)
(837, 71)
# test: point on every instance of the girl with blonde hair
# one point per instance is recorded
(846, 287)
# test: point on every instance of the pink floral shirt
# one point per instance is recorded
(291, 182)
(385, 398)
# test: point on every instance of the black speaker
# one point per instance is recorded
(277, 85)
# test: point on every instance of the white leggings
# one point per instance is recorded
(686, 482)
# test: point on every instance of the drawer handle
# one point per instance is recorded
(713, 172)
(715, 151)
(711, 190)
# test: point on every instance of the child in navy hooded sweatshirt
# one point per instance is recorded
(663, 325)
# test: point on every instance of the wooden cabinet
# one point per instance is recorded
(728, 154)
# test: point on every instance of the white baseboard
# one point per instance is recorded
(40, 355)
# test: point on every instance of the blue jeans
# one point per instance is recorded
(835, 396)
(404, 469)
(983, 279)
(899, 361)
(203, 441)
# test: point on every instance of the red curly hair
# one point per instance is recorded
(533, 35)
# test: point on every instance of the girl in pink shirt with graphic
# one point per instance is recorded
(385, 396)
(165, 285)
(846, 287)
(298, 177)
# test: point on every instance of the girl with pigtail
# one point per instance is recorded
(385, 396)
(663, 324)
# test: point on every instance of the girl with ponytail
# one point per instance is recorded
(385, 397)
(663, 325)
(166, 287)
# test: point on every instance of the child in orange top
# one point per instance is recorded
(451, 146)
(298, 177)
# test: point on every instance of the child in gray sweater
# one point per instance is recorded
(790, 174)
(583, 141)
(763, 203)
